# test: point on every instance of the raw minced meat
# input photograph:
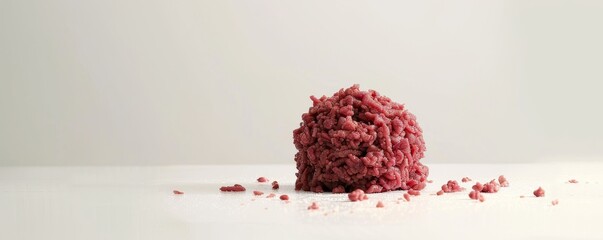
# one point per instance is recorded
(357, 195)
(358, 140)
(234, 188)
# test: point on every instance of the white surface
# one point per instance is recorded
(125, 82)
(137, 203)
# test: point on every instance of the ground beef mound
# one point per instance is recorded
(358, 140)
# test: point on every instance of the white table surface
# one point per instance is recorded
(138, 203)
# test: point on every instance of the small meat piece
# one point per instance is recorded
(466, 179)
(357, 195)
(380, 204)
(481, 198)
(235, 188)
(284, 197)
(478, 186)
(178, 192)
(491, 187)
(275, 185)
(414, 192)
(262, 179)
(271, 195)
(429, 181)
(407, 197)
(539, 192)
(258, 193)
(440, 193)
(572, 181)
(474, 195)
(313, 206)
(452, 186)
(503, 181)
(555, 202)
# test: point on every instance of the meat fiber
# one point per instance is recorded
(358, 140)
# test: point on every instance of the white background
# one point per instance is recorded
(213, 82)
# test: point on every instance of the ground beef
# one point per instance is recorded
(539, 192)
(357, 195)
(271, 195)
(452, 186)
(440, 192)
(275, 185)
(380, 204)
(358, 140)
(235, 188)
(177, 192)
(466, 179)
(503, 181)
(572, 181)
(414, 192)
(314, 206)
(474, 195)
(477, 187)
(262, 179)
(491, 187)
(284, 197)
(258, 193)
(407, 197)
(338, 189)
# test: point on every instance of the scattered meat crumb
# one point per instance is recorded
(380, 204)
(313, 206)
(503, 181)
(474, 194)
(414, 192)
(477, 187)
(275, 185)
(539, 192)
(466, 179)
(573, 181)
(258, 193)
(407, 197)
(271, 195)
(452, 186)
(491, 187)
(429, 181)
(481, 198)
(284, 197)
(357, 195)
(235, 188)
(262, 179)
(555, 202)
(440, 193)
(178, 192)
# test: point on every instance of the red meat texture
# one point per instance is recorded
(358, 140)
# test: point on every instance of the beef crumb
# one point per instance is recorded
(235, 188)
